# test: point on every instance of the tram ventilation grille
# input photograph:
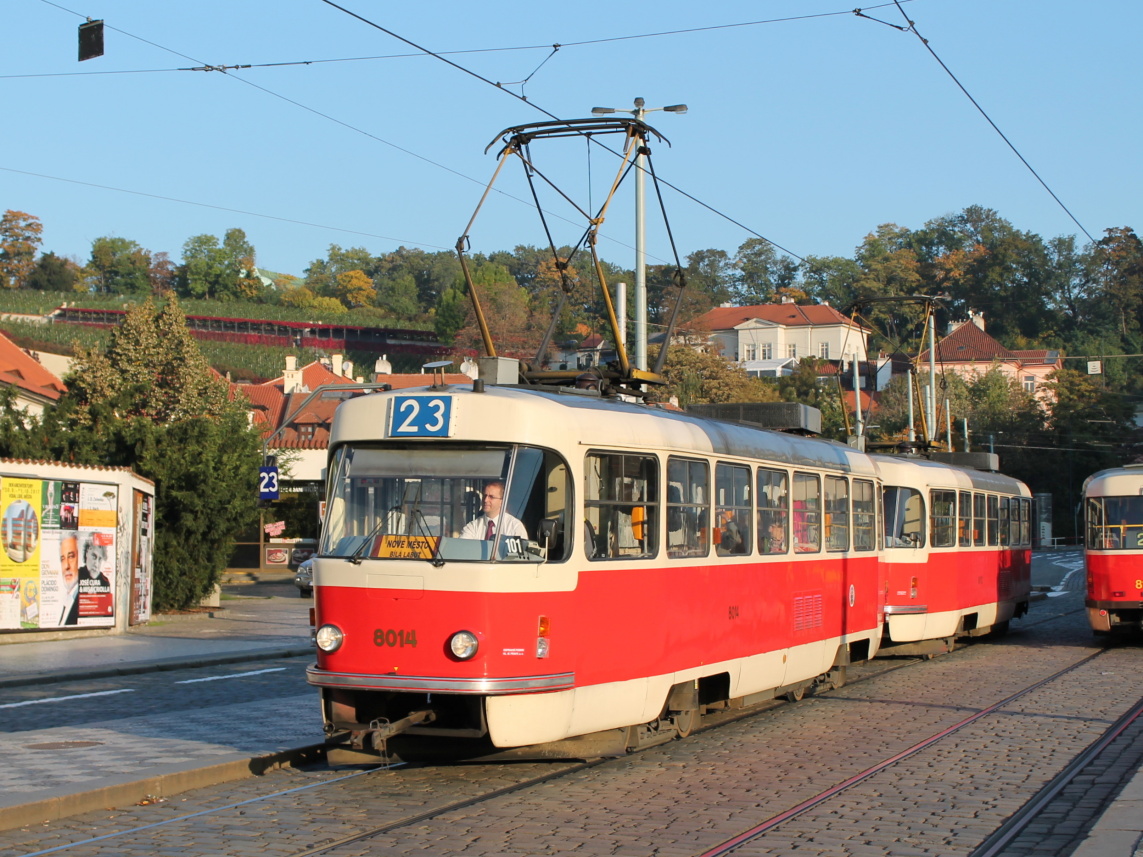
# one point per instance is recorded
(807, 612)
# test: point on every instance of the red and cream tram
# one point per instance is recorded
(1113, 512)
(643, 566)
(968, 572)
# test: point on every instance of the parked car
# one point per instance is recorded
(303, 549)
(304, 579)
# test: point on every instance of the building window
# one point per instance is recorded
(823, 351)
(792, 351)
(767, 351)
(1029, 383)
(751, 352)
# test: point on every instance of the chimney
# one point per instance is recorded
(976, 318)
(336, 367)
(382, 366)
(292, 378)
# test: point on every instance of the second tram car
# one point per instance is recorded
(506, 567)
(1113, 514)
(968, 572)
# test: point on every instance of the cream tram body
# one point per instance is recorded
(957, 554)
(1113, 549)
(652, 580)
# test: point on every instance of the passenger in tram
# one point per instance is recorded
(729, 534)
(775, 540)
(493, 519)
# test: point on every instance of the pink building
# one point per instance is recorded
(970, 352)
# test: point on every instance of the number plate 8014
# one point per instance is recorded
(394, 638)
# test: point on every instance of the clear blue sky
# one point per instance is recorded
(809, 132)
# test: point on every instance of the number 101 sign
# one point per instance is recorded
(421, 416)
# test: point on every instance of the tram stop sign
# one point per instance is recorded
(267, 483)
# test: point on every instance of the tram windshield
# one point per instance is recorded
(445, 503)
(1115, 523)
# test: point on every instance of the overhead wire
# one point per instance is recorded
(550, 115)
(221, 208)
(289, 101)
(913, 29)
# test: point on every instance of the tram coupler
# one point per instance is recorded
(382, 730)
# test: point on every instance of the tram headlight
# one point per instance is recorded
(329, 638)
(463, 645)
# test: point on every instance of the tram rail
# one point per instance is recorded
(135, 839)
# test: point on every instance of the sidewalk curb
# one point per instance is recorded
(156, 666)
(170, 780)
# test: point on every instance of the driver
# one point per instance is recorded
(492, 519)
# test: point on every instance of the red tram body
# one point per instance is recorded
(1113, 514)
(668, 565)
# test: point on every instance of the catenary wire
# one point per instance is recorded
(550, 115)
(296, 104)
(220, 208)
(913, 28)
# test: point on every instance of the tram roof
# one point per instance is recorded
(1115, 482)
(542, 417)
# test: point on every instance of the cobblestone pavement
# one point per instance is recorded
(687, 797)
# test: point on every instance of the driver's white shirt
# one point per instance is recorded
(506, 525)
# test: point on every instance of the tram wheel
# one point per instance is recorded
(795, 695)
(684, 721)
(999, 630)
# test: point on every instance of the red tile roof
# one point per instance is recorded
(969, 344)
(788, 315)
(19, 369)
(308, 428)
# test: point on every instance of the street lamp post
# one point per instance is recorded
(640, 232)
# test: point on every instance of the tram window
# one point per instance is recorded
(732, 516)
(836, 513)
(864, 516)
(807, 513)
(964, 522)
(1115, 523)
(1093, 515)
(688, 507)
(1004, 523)
(621, 500)
(993, 518)
(978, 519)
(773, 511)
(904, 517)
(1026, 523)
(943, 518)
(402, 502)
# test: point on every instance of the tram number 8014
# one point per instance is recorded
(394, 639)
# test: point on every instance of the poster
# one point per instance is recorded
(20, 501)
(58, 557)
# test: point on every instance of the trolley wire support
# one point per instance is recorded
(619, 376)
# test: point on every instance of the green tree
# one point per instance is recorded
(1118, 262)
(322, 274)
(119, 266)
(763, 276)
(700, 376)
(149, 401)
(19, 240)
(398, 296)
(54, 273)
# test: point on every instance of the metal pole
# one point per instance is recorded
(932, 374)
(640, 249)
(912, 432)
(857, 397)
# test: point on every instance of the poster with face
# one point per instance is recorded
(96, 574)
